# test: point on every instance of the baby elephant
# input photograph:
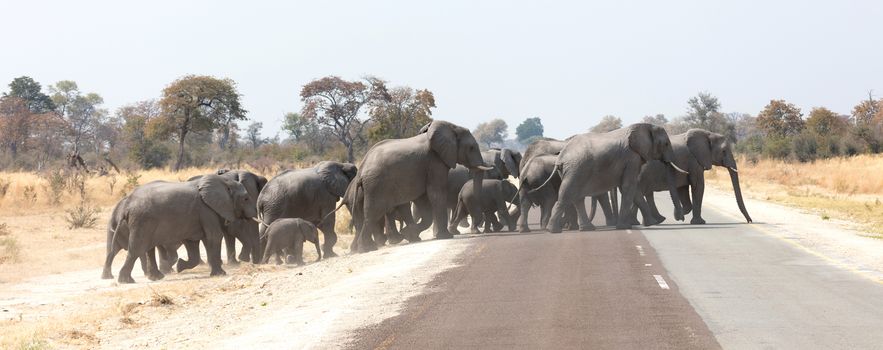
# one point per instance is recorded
(494, 195)
(286, 237)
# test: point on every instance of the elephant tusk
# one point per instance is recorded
(257, 220)
(485, 168)
(733, 170)
(682, 171)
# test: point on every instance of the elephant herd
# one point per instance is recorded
(402, 186)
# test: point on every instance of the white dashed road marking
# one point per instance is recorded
(648, 265)
(640, 250)
(661, 281)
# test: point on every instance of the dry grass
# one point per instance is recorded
(844, 188)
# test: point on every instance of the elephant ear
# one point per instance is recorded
(262, 181)
(443, 141)
(215, 192)
(700, 147)
(641, 140)
(510, 160)
(333, 177)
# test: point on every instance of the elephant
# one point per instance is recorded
(148, 263)
(399, 171)
(164, 214)
(696, 151)
(287, 236)
(538, 166)
(506, 163)
(245, 230)
(594, 163)
(492, 201)
(310, 194)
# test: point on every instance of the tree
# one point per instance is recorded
(701, 110)
(139, 121)
(253, 135)
(823, 121)
(401, 115)
(607, 123)
(868, 112)
(15, 124)
(658, 120)
(492, 132)
(528, 130)
(334, 104)
(197, 103)
(31, 92)
(82, 113)
(780, 118)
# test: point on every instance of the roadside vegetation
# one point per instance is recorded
(846, 188)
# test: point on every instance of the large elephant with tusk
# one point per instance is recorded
(415, 169)
(696, 150)
(593, 163)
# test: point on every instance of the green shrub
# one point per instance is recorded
(805, 147)
(777, 147)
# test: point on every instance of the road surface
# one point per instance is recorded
(725, 284)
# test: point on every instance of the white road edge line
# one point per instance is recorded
(640, 250)
(661, 281)
(628, 231)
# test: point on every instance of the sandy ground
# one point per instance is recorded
(840, 242)
(65, 304)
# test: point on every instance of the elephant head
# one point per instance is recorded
(455, 145)
(336, 176)
(709, 149)
(651, 142)
(506, 161)
(228, 198)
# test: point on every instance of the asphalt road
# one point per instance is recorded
(724, 284)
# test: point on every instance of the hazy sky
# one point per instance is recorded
(566, 62)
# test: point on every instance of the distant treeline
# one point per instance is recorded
(199, 121)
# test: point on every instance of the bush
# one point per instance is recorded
(57, 183)
(777, 147)
(9, 250)
(805, 147)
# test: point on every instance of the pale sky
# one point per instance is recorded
(569, 63)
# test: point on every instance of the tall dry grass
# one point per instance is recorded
(845, 188)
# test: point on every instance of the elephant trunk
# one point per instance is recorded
(477, 179)
(734, 177)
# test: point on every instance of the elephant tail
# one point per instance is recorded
(521, 183)
(342, 203)
(555, 170)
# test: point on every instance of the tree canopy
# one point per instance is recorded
(528, 130)
(491, 133)
(607, 123)
(197, 103)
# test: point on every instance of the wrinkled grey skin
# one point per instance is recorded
(506, 163)
(310, 194)
(492, 202)
(592, 164)
(538, 166)
(695, 151)
(166, 213)
(245, 230)
(410, 229)
(415, 169)
(148, 262)
(286, 237)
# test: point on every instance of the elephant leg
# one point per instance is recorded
(392, 231)
(374, 216)
(193, 256)
(166, 257)
(414, 226)
(585, 224)
(154, 273)
(605, 201)
(230, 246)
(524, 207)
(213, 250)
(327, 228)
(125, 275)
(571, 219)
(698, 190)
(651, 201)
(629, 191)
(250, 246)
(108, 261)
(567, 196)
(459, 214)
(379, 236)
(504, 215)
(646, 213)
(684, 195)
